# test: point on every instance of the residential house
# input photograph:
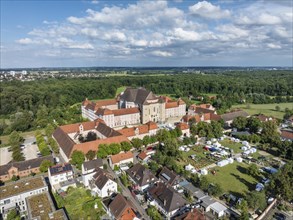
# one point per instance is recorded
(88, 169)
(169, 177)
(14, 194)
(120, 159)
(206, 203)
(141, 177)
(61, 177)
(166, 199)
(119, 208)
(287, 135)
(22, 168)
(184, 127)
(143, 157)
(264, 118)
(218, 209)
(194, 214)
(229, 117)
(102, 184)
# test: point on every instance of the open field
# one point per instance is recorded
(120, 89)
(79, 204)
(267, 109)
(233, 178)
(236, 147)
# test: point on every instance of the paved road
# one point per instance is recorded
(126, 192)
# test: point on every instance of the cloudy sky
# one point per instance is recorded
(146, 33)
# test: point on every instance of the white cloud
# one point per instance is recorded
(160, 53)
(95, 2)
(262, 19)
(25, 41)
(207, 10)
(274, 46)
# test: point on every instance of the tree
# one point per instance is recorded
(256, 200)
(13, 215)
(243, 207)
(146, 140)
(153, 213)
(204, 183)
(45, 165)
(91, 136)
(215, 189)
(14, 178)
(15, 139)
(253, 124)
(282, 182)
(125, 146)
(217, 129)
(239, 123)
(115, 148)
(90, 155)
(277, 108)
(137, 143)
(102, 151)
(77, 158)
(253, 170)
(269, 132)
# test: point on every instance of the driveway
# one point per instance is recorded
(5, 156)
(127, 193)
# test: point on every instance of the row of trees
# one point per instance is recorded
(42, 144)
(209, 130)
(15, 139)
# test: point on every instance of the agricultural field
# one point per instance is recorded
(266, 109)
(233, 178)
(79, 204)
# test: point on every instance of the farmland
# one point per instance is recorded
(267, 109)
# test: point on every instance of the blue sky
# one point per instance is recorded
(146, 33)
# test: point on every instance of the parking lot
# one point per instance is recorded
(5, 156)
(30, 148)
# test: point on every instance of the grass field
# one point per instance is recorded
(267, 109)
(120, 89)
(233, 178)
(80, 205)
(236, 147)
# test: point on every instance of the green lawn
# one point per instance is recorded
(267, 109)
(232, 145)
(233, 178)
(80, 204)
(120, 89)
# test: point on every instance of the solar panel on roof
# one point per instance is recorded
(166, 176)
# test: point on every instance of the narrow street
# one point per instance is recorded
(126, 192)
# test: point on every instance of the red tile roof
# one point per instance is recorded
(142, 155)
(125, 111)
(182, 126)
(172, 104)
(120, 157)
(152, 125)
(287, 134)
(94, 145)
(104, 111)
(106, 102)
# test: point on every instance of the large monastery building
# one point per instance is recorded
(132, 107)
